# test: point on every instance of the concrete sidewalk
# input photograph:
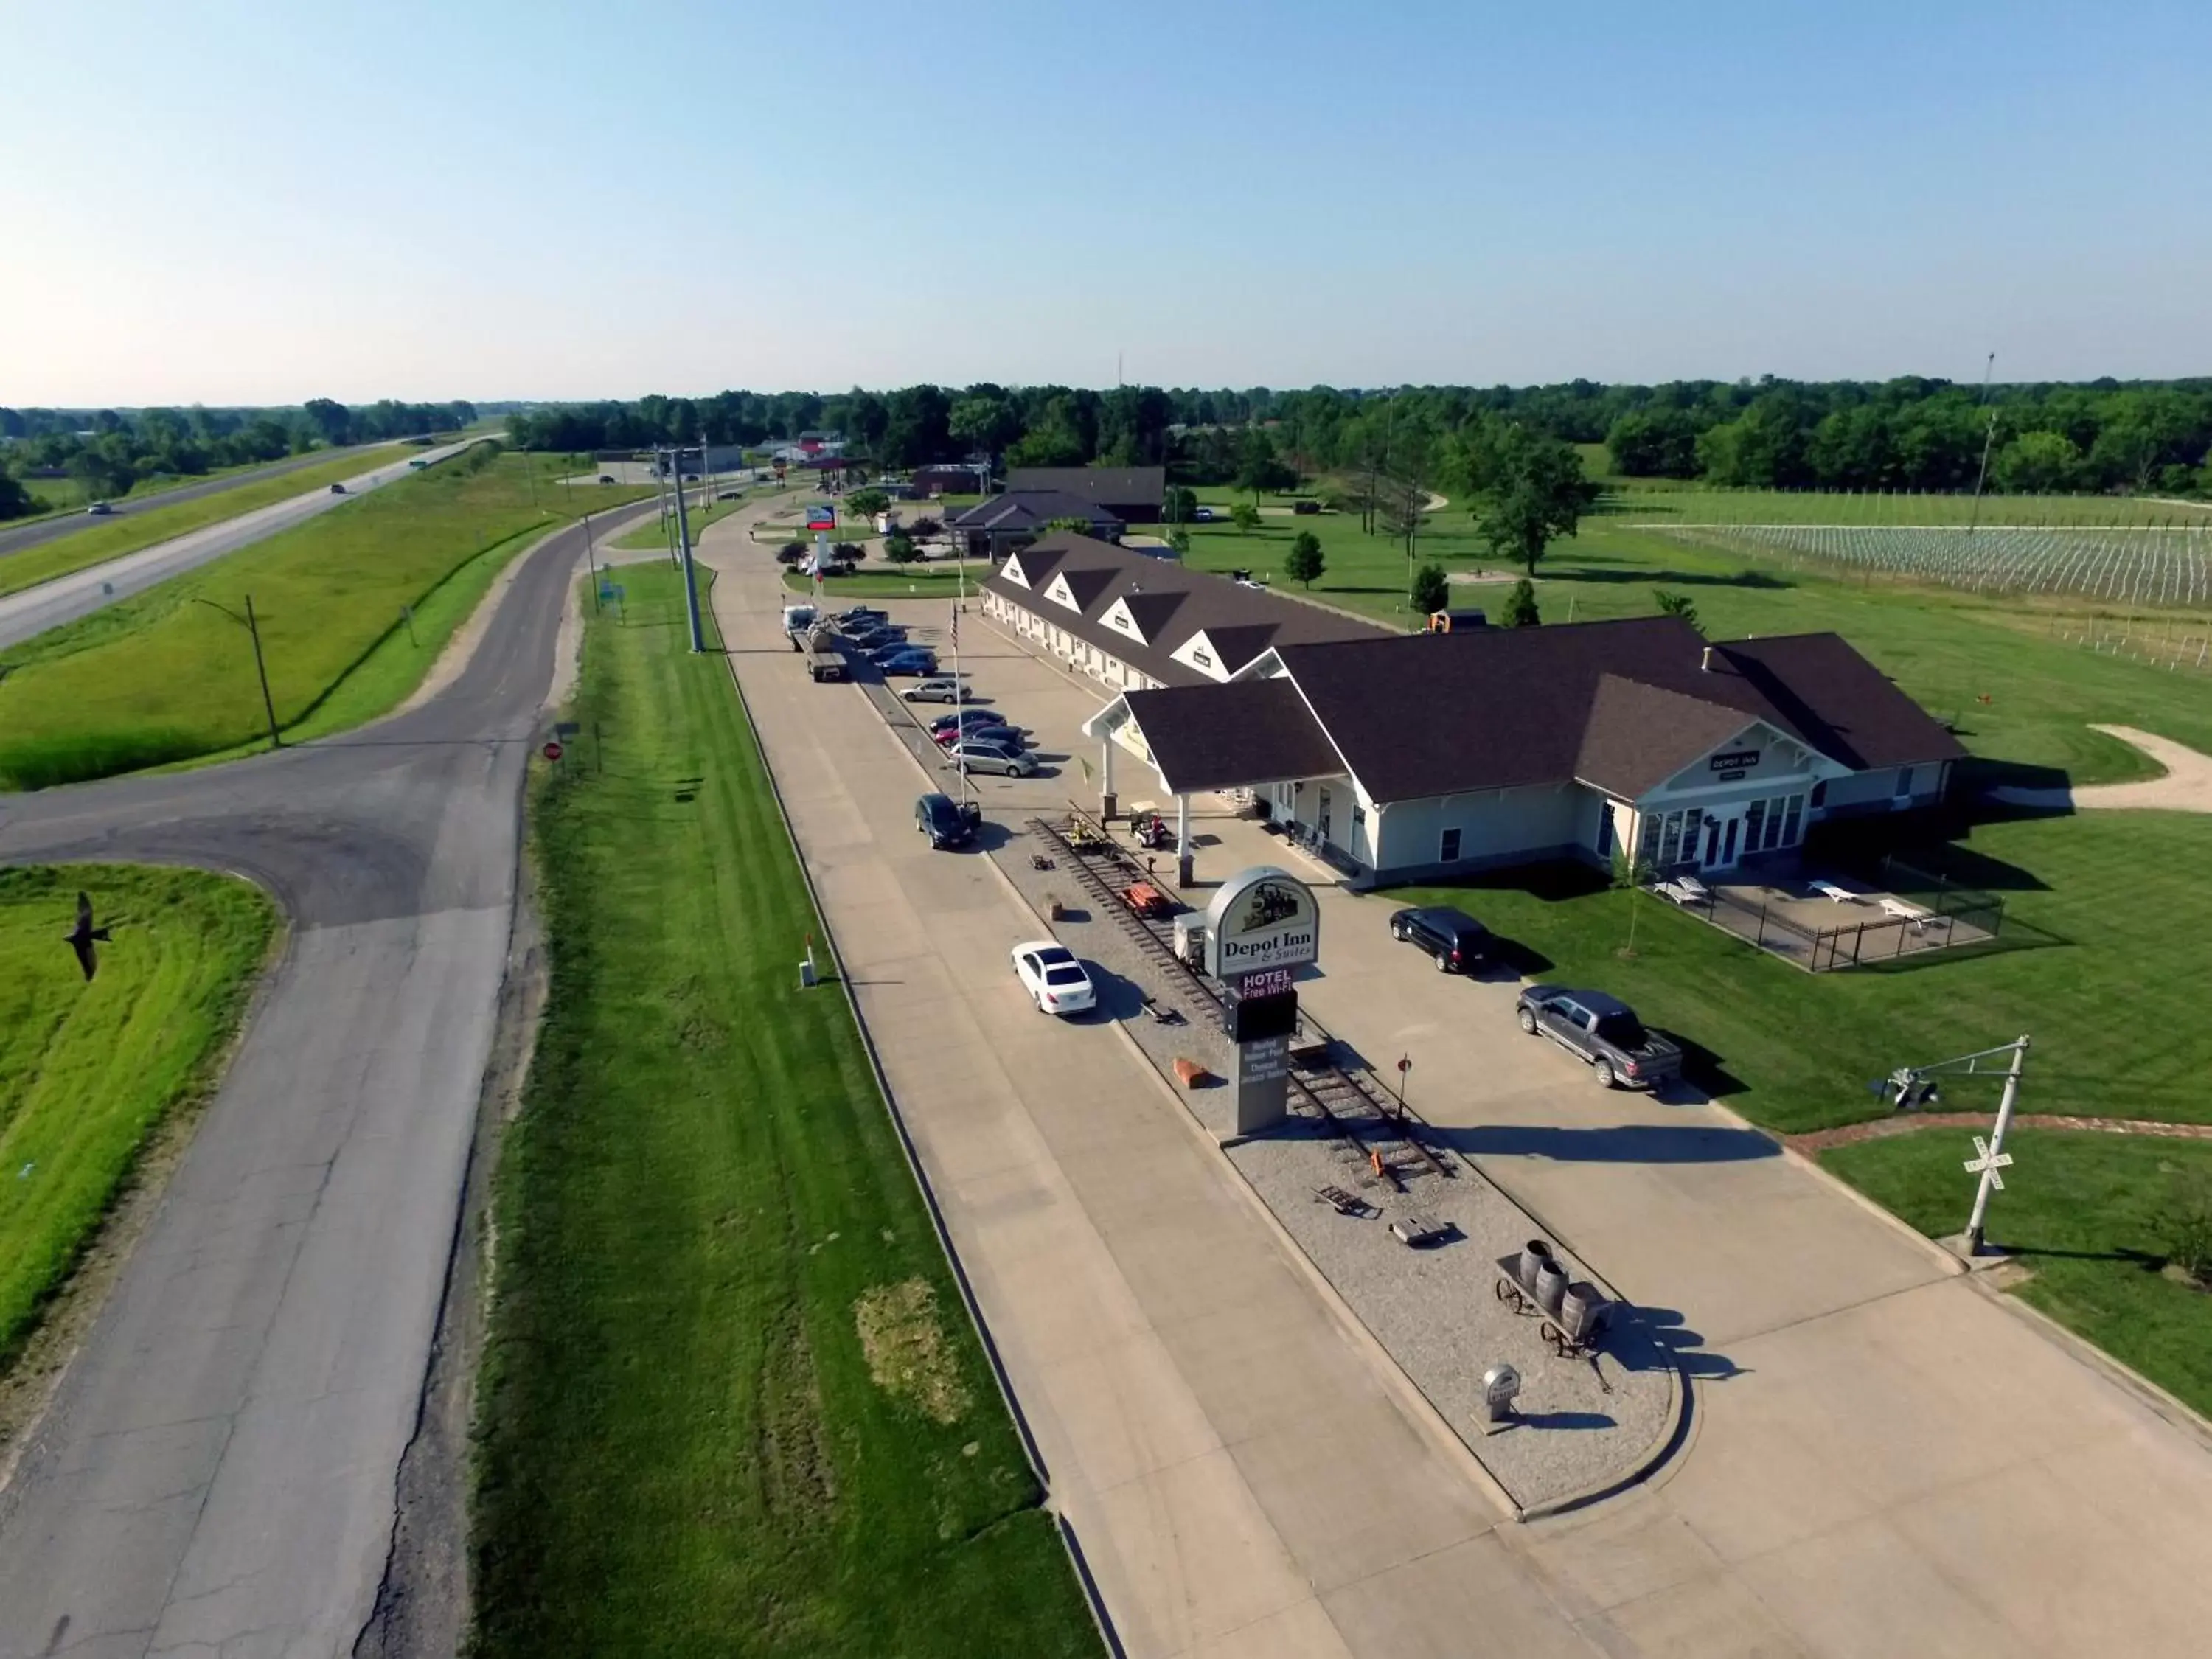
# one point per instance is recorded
(1886, 1458)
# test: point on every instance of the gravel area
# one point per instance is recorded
(1586, 1424)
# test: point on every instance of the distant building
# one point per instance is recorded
(951, 479)
(1017, 517)
(1132, 494)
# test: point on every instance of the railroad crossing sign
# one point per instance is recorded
(1984, 1161)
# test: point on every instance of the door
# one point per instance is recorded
(1727, 848)
(1321, 822)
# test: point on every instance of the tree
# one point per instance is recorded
(1180, 504)
(1431, 590)
(1675, 604)
(1537, 492)
(1245, 517)
(984, 423)
(1179, 539)
(15, 501)
(866, 503)
(331, 421)
(899, 548)
(1305, 560)
(1521, 605)
(1654, 443)
(2036, 463)
(1258, 467)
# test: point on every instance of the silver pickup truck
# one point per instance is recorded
(1605, 1031)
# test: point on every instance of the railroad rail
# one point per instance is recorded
(1374, 1132)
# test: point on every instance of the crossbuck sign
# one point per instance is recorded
(1987, 1162)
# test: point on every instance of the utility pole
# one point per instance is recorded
(253, 626)
(590, 563)
(690, 582)
(1989, 437)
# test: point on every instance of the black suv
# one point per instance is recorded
(946, 822)
(1459, 943)
(1605, 1031)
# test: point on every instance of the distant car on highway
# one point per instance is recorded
(1603, 1031)
(606, 477)
(971, 756)
(731, 495)
(938, 688)
(1053, 977)
(338, 490)
(101, 509)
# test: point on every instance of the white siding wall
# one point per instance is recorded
(1494, 824)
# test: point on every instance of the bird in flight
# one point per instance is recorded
(81, 939)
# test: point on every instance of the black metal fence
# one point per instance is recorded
(1944, 915)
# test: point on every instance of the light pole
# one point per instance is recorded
(690, 583)
(253, 627)
(590, 563)
(1989, 438)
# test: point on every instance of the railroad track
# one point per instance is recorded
(1380, 1141)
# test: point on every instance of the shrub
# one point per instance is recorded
(1431, 590)
(899, 548)
(1521, 605)
(1245, 517)
(2186, 1227)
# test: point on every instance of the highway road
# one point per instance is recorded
(217, 1471)
(65, 598)
(23, 537)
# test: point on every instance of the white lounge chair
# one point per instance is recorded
(1833, 893)
(1906, 910)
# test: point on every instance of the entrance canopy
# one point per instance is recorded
(1245, 735)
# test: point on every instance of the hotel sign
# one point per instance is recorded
(1736, 760)
(1261, 918)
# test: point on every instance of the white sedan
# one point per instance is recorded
(1053, 977)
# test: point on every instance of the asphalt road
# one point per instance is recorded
(65, 598)
(68, 524)
(217, 1471)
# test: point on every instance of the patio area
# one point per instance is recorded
(1824, 920)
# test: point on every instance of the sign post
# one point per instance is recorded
(1262, 927)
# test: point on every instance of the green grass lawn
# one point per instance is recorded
(2112, 901)
(2084, 1212)
(732, 1403)
(67, 495)
(87, 1071)
(1692, 503)
(130, 532)
(159, 679)
(650, 533)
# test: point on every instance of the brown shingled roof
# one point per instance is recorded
(1491, 708)
(1217, 737)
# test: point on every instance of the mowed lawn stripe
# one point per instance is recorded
(131, 531)
(88, 1072)
(162, 677)
(705, 1221)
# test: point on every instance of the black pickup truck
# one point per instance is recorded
(1605, 1031)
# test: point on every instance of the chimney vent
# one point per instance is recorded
(1706, 662)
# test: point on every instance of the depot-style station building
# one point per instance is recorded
(1406, 757)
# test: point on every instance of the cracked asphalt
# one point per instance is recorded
(215, 1474)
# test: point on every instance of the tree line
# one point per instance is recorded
(1908, 434)
(106, 452)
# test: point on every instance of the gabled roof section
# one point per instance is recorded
(1152, 609)
(1637, 736)
(1022, 510)
(1491, 708)
(1084, 583)
(1221, 737)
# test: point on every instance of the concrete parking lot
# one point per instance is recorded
(1883, 1458)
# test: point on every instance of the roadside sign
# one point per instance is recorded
(552, 751)
(566, 729)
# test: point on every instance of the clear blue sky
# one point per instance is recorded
(231, 202)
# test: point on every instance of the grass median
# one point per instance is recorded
(88, 1072)
(130, 531)
(160, 678)
(733, 1402)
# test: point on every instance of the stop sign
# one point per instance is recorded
(553, 751)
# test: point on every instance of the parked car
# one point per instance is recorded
(1304, 505)
(853, 614)
(1456, 939)
(970, 756)
(731, 495)
(101, 509)
(938, 688)
(1002, 736)
(1605, 1031)
(947, 821)
(1201, 515)
(968, 717)
(912, 661)
(1053, 977)
(884, 652)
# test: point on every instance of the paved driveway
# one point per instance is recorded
(1885, 1460)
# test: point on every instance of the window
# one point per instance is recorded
(1754, 822)
(1904, 783)
(1819, 794)
(1789, 820)
(1200, 660)
(1358, 813)
(1605, 828)
(1449, 852)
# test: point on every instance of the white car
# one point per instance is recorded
(1053, 977)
